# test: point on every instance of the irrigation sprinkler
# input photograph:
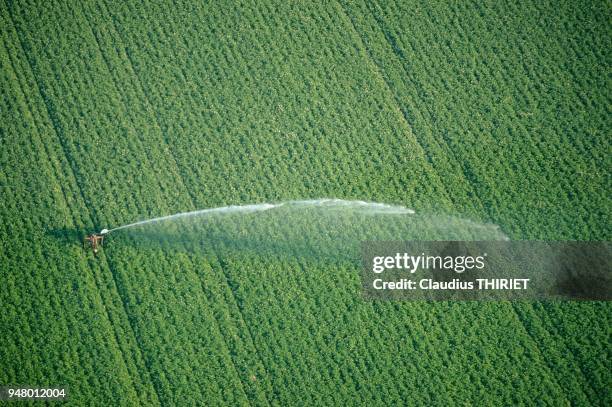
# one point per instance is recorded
(95, 240)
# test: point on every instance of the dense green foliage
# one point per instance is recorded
(117, 111)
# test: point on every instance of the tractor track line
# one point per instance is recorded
(181, 180)
(361, 46)
(191, 196)
(169, 156)
(392, 43)
(191, 199)
(111, 265)
(395, 51)
(58, 130)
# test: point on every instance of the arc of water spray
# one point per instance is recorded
(363, 206)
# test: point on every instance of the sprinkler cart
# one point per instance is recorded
(95, 240)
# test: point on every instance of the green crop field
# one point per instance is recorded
(113, 112)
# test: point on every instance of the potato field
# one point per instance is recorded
(114, 112)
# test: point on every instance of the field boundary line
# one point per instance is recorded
(55, 125)
(222, 266)
(27, 103)
(147, 100)
(117, 87)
